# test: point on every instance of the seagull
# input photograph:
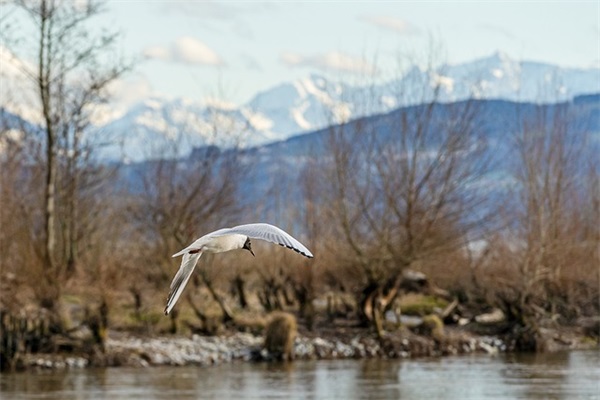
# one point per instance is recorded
(223, 240)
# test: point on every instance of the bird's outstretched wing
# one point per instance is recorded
(271, 234)
(188, 263)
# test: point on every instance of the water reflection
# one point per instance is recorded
(563, 373)
(574, 375)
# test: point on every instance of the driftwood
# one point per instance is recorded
(450, 308)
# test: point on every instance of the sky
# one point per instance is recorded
(234, 49)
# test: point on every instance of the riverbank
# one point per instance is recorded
(131, 350)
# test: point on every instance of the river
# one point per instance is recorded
(568, 375)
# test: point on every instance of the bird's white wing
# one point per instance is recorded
(271, 234)
(188, 263)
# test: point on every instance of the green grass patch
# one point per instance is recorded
(421, 305)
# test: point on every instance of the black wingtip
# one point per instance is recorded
(296, 250)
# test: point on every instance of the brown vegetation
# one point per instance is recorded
(280, 334)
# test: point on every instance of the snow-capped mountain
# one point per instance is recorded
(166, 126)
(500, 77)
(159, 127)
(150, 126)
(315, 102)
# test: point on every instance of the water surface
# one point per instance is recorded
(569, 375)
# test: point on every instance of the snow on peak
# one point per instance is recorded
(497, 73)
(315, 101)
(298, 116)
(153, 104)
(219, 104)
(257, 120)
(445, 82)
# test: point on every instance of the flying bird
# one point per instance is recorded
(223, 240)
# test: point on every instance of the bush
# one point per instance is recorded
(280, 336)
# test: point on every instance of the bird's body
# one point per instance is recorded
(224, 240)
(215, 244)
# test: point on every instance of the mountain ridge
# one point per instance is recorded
(287, 109)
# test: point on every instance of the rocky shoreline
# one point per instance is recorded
(123, 349)
(340, 340)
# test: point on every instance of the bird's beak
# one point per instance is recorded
(251, 252)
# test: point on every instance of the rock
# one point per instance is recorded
(411, 321)
(488, 348)
(413, 281)
(493, 317)
(414, 276)
(590, 326)
(323, 348)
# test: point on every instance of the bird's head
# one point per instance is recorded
(248, 246)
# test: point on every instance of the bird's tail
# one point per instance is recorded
(180, 253)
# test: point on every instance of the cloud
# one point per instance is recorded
(187, 50)
(331, 61)
(390, 23)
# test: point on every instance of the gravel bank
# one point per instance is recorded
(129, 350)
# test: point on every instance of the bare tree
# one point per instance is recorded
(556, 184)
(402, 189)
(70, 76)
(15, 236)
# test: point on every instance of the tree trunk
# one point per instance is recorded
(227, 315)
(239, 283)
(51, 291)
